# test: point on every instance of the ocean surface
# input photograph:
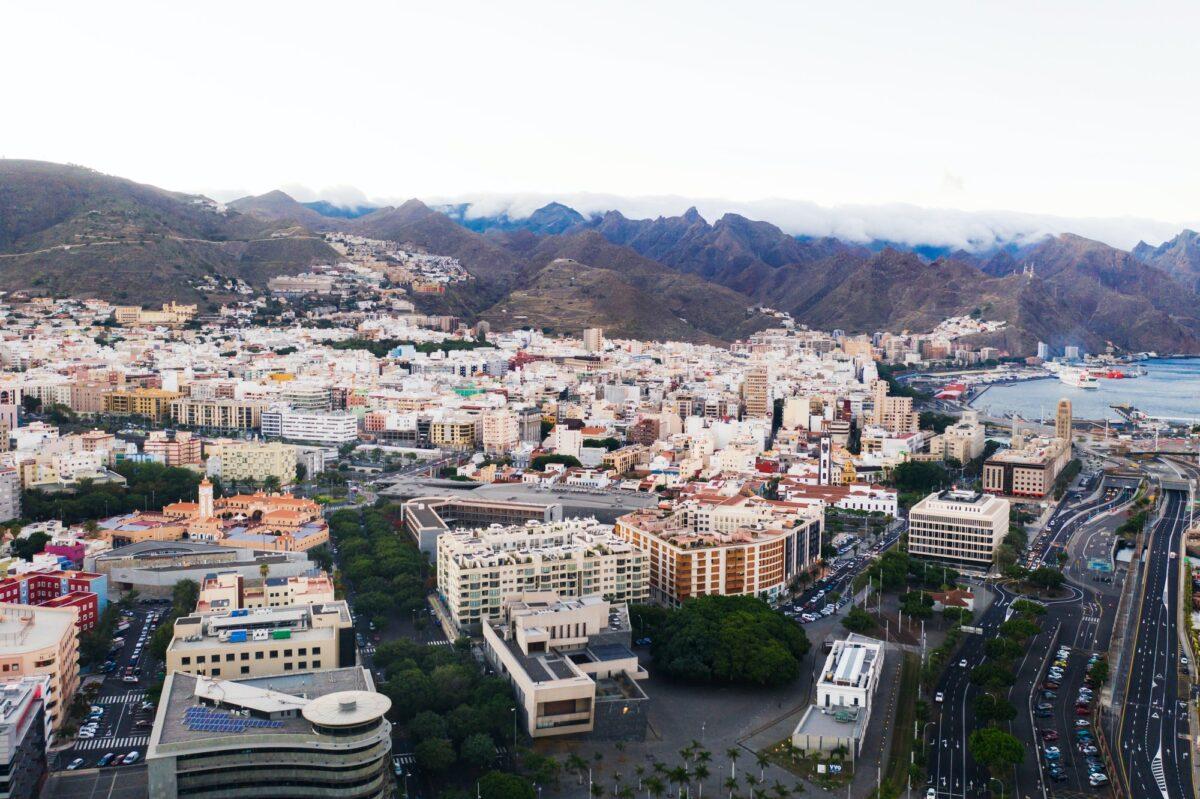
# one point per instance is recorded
(1170, 390)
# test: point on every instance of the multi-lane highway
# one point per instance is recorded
(1153, 725)
(954, 773)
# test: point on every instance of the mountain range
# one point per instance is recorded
(70, 230)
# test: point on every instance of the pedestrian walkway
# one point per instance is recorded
(122, 699)
(111, 744)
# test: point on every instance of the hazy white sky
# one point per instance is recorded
(1067, 108)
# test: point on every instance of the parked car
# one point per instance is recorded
(74, 764)
(104, 761)
(131, 758)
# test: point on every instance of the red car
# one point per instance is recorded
(1082, 711)
(1049, 735)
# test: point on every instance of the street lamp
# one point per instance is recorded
(998, 780)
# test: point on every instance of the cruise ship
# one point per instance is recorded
(1079, 378)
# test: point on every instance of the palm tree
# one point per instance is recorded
(781, 790)
(264, 569)
(703, 756)
(626, 792)
(700, 772)
(597, 790)
(733, 753)
(655, 787)
(679, 776)
(659, 767)
(761, 760)
(731, 784)
(577, 764)
(640, 771)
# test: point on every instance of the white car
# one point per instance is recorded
(962, 664)
(939, 697)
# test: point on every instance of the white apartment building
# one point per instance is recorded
(478, 568)
(961, 528)
(320, 428)
(895, 414)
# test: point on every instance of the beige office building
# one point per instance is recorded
(570, 665)
(263, 641)
(959, 528)
(38, 640)
(478, 568)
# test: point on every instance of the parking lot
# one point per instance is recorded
(1063, 713)
(117, 727)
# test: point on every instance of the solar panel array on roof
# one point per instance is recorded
(206, 719)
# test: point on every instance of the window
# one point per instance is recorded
(245, 669)
(185, 660)
(228, 657)
(199, 658)
(316, 664)
(287, 653)
(303, 651)
(302, 665)
(287, 666)
(216, 672)
(258, 655)
(245, 656)
(316, 650)
(274, 654)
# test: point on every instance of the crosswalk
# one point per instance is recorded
(369, 649)
(406, 759)
(112, 744)
(1091, 619)
(122, 699)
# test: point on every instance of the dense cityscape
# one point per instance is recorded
(624, 400)
(506, 561)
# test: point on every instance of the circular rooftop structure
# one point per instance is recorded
(346, 708)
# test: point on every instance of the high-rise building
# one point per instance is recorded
(1062, 421)
(315, 426)
(593, 339)
(501, 431)
(756, 392)
(895, 414)
(1043, 350)
(173, 447)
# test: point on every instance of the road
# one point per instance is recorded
(1081, 621)
(1153, 723)
(124, 725)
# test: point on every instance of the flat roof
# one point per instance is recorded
(171, 723)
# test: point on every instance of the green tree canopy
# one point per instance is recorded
(501, 785)
(995, 749)
(729, 639)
